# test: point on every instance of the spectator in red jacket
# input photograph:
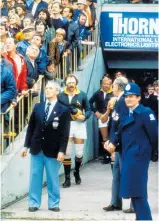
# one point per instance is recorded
(19, 65)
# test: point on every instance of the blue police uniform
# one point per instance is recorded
(139, 135)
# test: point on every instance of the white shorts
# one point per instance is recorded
(100, 124)
(78, 130)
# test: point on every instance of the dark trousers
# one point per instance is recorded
(142, 208)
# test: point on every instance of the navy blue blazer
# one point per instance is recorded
(48, 138)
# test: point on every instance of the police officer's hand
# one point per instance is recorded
(60, 157)
(24, 152)
(109, 147)
(80, 118)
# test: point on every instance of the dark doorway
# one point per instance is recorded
(141, 76)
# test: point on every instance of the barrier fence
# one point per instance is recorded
(15, 118)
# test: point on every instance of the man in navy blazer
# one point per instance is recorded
(47, 137)
(119, 85)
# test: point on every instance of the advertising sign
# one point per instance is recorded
(129, 30)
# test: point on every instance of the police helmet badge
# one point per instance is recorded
(127, 88)
(152, 117)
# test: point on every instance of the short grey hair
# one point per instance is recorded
(54, 84)
(30, 46)
(121, 82)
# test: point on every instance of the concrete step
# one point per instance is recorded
(85, 201)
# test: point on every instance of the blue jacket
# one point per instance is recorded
(32, 73)
(73, 35)
(8, 87)
(76, 13)
(42, 59)
(4, 12)
(22, 46)
(139, 134)
(83, 32)
(41, 4)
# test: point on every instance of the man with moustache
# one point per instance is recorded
(80, 111)
(47, 137)
(57, 21)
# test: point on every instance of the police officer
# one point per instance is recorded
(80, 111)
(138, 131)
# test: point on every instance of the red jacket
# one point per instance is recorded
(21, 79)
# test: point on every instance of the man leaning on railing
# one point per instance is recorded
(8, 88)
(8, 92)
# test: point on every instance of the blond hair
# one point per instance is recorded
(18, 21)
(61, 31)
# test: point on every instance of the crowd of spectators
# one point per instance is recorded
(35, 36)
(131, 1)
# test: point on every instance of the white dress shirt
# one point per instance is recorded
(35, 5)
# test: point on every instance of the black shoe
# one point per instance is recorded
(32, 209)
(67, 183)
(106, 160)
(80, 68)
(130, 210)
(111, 208)
(77, 177)
(55, 209)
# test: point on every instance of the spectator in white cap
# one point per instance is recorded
(82, 8)
(28, 35)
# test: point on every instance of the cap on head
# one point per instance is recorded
(132, 88)
(28, 29)
(82, 2)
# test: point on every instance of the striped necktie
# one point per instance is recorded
(46, 112)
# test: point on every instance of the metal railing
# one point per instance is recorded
(70, 64)
(15, 118)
